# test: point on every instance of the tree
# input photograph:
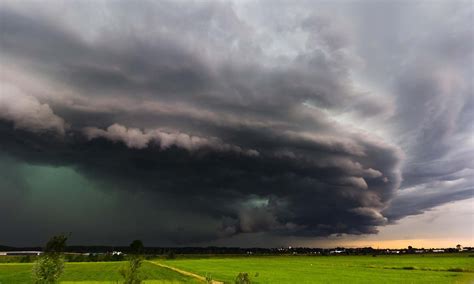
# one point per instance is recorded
(170, 255)
(50, 265)
(136, 247)
(131, 272)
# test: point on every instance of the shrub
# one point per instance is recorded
(242, 278)
(48, 269)
(25, 258)
(131, 273)
(208, 278)
(50, 265)
(170, 255)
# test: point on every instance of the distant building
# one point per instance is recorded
(24, 252)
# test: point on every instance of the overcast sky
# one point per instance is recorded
(250, 123)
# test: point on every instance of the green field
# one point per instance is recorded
(456, 268)
(336, 269)
(92, 272)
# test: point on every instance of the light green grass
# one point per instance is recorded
(335, 269)
(92, 273)
(455, 268)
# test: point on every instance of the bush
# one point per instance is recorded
(25, 259)
(208, 278)
(131, 273)
(117, 257)
(50, 265)
(170, 255)
(242, 278)
(48, 269)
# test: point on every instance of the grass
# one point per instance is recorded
(92, 273)
(455, 268)
(335, 269)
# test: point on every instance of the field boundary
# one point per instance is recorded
(184, 272)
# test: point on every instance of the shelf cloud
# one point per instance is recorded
(307, 119)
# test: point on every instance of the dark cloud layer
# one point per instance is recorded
(328, 193)
(229, 126)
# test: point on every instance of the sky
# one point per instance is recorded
(237, 123)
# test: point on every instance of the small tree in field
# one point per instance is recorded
(242, 278)
(50, 265)
(131, 272)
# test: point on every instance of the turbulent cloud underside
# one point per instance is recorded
(284, 122)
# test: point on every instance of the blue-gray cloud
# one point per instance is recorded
(304, 120)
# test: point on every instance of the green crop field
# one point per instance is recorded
(336, 269)
(92, 272)
(455, 268)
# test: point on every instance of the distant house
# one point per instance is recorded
(24, 252)
(438, 250)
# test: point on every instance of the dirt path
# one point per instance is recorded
(184, 272)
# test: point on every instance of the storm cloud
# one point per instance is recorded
(219, 119)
